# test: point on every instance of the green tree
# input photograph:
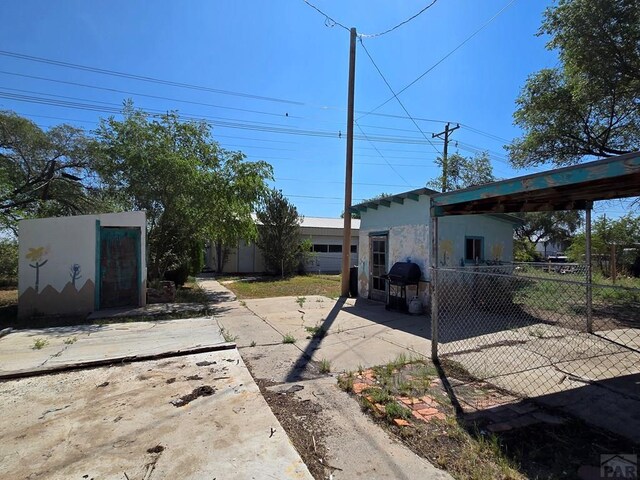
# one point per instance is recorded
(279, 233)
(464, 172)
(8, 260)
(191, 189)
(590, 104)
(555, 227)
(605, 234)
(43, 173)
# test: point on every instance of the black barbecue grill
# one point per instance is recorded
(401, 275)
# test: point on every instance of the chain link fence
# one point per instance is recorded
(535, 329)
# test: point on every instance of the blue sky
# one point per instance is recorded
(284, 50)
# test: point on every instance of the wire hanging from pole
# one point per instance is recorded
(374, 35)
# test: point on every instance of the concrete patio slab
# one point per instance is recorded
(62, 346)
(129, 421)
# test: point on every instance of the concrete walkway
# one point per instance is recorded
(359, 333)
(190, 416)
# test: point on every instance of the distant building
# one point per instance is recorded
(324, 233)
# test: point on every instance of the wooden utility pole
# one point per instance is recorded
(346, 232)
(446, 133)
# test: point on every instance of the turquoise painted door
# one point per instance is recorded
(119, 267)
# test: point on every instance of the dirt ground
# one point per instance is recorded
(302, 423)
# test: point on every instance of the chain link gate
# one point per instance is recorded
(535, 329)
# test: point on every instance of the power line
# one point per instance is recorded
(396, 96)
(159, 97)
(220, 122)
(459, 46)
(143, 78)
(329, 22)
(373, 35)
(261, 112)
(380, 153)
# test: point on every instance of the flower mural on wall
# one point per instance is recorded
(37, 256)
(446, 247)
(74, 273)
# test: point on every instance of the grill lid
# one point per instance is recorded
(404, 272)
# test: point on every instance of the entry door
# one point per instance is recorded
(119, 267)
(378, 262)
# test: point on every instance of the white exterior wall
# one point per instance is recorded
(63, 242)
(497, 235)
(408, 229)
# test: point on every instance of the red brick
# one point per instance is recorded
(401, 423)
(380, 408)
(428, 399)
(359, 387)
(417, 416)
(425, 412)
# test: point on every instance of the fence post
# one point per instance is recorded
(434, 288)
(589, 269)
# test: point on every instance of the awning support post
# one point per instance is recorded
(589, 268)
(434, 288)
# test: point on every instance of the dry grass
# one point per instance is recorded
(266, 287)
(8, 297)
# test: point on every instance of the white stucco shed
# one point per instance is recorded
(76, 265)
(398, 229)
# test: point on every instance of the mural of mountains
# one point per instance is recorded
(49, 301)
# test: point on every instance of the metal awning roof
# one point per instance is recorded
(568, 188)
(397, 198)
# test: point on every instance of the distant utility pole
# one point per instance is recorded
(346, 238)
(446, 133)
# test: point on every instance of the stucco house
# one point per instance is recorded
(324, 233)
(76, 265)
(397, 228)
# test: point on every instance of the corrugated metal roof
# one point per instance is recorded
(323, 222)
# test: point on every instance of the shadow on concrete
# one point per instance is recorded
(418, 325)
(302, 364)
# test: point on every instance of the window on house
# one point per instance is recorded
(320, 247)
(335, 248)
(354, 249)
(473, 250)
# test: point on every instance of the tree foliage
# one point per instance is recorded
(279, 233)
(43, 173)
(607, 232)
(191, 188)
(590, 104)
(555, 227)
(463, 172)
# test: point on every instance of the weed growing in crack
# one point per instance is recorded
(40, 343)
(316, 332)
(228, 337)
(345, 382)
(253, 343)
(300, 301)
(325, 367)
(395, 410)
(70, 340)
(288, 338)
